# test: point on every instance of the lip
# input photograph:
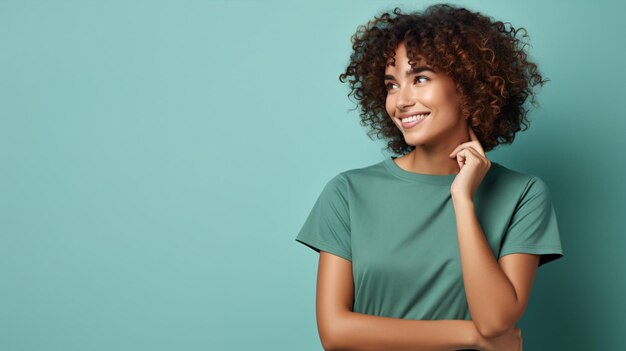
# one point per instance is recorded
(408, 125)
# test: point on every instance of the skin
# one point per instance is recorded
(497, 291)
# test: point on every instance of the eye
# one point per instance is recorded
(388, 85)
(418, 77)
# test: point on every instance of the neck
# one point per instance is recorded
(433, 159)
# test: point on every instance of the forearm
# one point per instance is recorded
(491, 297)
(363, 332)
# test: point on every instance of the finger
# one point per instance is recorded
(461, 146)
(471, 133)
(473, 143)
(474, 138)
(473, 156)
(461, 158)
(468, 153)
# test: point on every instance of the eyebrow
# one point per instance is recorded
(411, 71)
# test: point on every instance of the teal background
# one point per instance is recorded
(157, 159)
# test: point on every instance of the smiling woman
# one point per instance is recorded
(435, 249)
(484, 59)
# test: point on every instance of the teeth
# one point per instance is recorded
(414, 118)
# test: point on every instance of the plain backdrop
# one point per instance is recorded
(157, 159)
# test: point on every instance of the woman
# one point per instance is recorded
(436, 249)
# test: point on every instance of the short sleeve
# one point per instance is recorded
(533, 227)
(327, 226)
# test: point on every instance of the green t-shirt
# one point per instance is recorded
(398, 229)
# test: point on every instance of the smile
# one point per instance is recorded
(412, 121)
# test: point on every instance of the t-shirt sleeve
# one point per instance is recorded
(533, 228)
(327, 226)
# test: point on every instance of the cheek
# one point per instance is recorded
(431, 96)
(454, 101)
(444, 99)
(452, 95)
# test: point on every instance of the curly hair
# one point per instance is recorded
(492, 74)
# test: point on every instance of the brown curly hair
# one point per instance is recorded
(488, 64)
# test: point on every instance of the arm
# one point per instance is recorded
(342, 329)
(497, 291)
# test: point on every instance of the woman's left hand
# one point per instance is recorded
(474, 166)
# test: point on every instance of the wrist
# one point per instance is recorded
(478, 341)
(462, 200)
(474, 339)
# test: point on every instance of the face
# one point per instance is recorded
(422, 91)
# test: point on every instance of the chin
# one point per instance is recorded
(411, 141)
(414, 141)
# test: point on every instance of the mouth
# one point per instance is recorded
(412, 121)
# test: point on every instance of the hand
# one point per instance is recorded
(509, 341)
(474, 166)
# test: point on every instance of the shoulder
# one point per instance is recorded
(358, 175)
(509, 182)
(344, 183)
(503, 175)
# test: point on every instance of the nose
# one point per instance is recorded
(406, 97)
